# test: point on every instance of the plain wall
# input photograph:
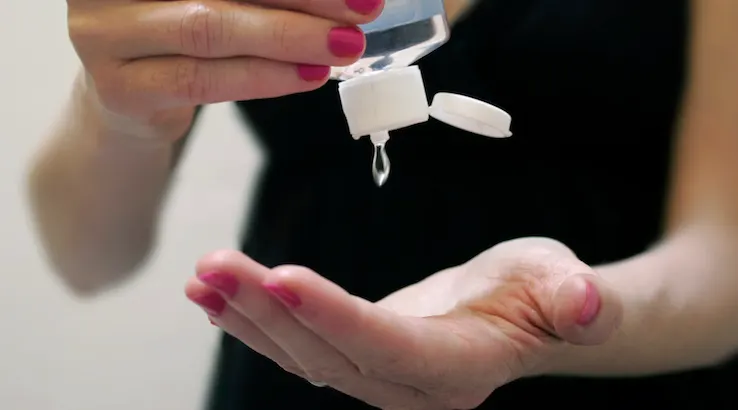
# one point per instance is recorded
(142, 346)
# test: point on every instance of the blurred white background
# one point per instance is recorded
(141, 346)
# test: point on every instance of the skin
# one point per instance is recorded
(513, 311)
(445, 343)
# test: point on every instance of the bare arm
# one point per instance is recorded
(96, 188)
(681, 298)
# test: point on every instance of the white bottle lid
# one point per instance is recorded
(471, 115)
(396, 98)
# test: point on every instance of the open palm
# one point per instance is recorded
(443, 343)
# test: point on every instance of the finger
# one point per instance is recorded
(382, 344)
(238, 326)
(319, 360)
(349, 11)
(587, 311)
(218, 29)
(169, 82)
(561, 296)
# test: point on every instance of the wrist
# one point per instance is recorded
(678, 301)
(649, 320)
(159, 130)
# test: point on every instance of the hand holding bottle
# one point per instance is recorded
(152, 59)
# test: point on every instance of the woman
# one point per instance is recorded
(601, 93)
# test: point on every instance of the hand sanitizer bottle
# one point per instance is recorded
(382, 91)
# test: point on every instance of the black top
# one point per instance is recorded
(593, 88)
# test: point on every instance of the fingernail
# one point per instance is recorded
(211, 322)
(212, 303)
(346, 41)
(287, 297)
(309, 72)
(592, 303)
(224, 282)
(363, 6)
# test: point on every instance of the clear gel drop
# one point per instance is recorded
(380, 165)
(380, 159)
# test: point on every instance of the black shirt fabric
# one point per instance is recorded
(594, 88)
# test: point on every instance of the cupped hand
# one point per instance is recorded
(159, 58)
(445, 343)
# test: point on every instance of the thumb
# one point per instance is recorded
(586, 310)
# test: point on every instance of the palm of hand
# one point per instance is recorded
(444, 343)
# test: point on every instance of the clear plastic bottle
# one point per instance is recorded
(406, 31)
(382, 91)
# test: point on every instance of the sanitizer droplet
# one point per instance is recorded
(380, 164)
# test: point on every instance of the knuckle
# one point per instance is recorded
(254, 78)
(204, 28)
(529, 260)
(193, 81)
(530, 266)
(541, 246)
(258, 78)
(370, 371)
(545, 262)
(280, 34)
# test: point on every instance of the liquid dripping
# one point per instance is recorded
(380, 164)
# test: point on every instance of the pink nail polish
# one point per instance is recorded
(212, 303)
(309, 72)
(346, 41)
(223, 282)
(287, 297)
(364, 6)
(592, 304)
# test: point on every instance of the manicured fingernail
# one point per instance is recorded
(592, 304)
(212, 303)
(287, 297)
(364, 6)
(310, 72)
(224, 282)
(346, 41)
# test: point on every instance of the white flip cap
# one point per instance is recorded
(471, 115)
(396, 98)
(384, 101)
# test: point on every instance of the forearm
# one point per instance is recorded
(681, 298)
(95, 189)
(680, 301)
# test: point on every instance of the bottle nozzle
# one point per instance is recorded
(379, 137)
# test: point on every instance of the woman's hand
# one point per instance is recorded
(444, 343)
(157, 60)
